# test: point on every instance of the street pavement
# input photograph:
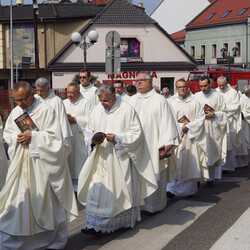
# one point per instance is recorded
(217, 218)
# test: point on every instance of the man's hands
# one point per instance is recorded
(168, 148)
(71, 119)
(209, 114)
(110, 137)
(25, 137)
(184, 128)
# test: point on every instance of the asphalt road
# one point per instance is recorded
(229, 199)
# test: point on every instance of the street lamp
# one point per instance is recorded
(226, 54)
(76, 38)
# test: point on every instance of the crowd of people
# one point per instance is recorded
(117, 150)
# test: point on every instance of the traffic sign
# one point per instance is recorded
(113, 39)
(113, 61)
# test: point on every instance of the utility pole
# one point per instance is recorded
(35, 11)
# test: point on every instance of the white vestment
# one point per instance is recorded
(80, 109)
(116, 177)
(234, 137)
(215, 129)
(160, 129)
(232, 101)
(89, 93)
(38, 192)
(125, 97)
(4, 165)
(191, 153)
(57, 104)
(242, 153)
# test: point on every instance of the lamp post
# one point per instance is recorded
(223, 53)
(76, 38)
(11, 48)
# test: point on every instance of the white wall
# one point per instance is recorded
(173, 15)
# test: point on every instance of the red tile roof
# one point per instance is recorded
(179, 36)
(220, 7)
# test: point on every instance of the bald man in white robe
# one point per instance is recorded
(78, 110)
(234, 138)
(37, 199)
(161, 131)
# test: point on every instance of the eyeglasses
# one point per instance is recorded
(141, 80)
(82, 77)
(22, 100)
(181, 87)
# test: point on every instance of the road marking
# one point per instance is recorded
(237, 236)
(161, 228)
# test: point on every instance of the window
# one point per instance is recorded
(238, 46)
(130, 47)
(225, 14)
(225, 45)
(214, 50)
(192, 51)
(203, 51)
(242, 11)
(210, 16)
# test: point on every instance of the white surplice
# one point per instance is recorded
(38, 194)
(234, 138)
(57, 104)
(242, 152)
(215, 128)
(191, 153)
(80, 109)
(4, 165)
(116, 177)
(160, 129)
(125, 97)
(89, 93)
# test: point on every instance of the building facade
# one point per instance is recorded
(223, 26)
(144, 46)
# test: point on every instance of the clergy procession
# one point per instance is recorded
(118, 151)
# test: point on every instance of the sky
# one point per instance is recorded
(149, 5)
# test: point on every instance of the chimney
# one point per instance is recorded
(140, 5)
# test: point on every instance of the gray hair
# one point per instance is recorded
(222, 78)
(247, 89)
(106, 87)
(148, 76)
(74, 84)
(42, 82)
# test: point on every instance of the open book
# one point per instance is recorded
(24, 122)
(208, 108)
(184, 120)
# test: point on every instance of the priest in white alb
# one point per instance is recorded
(243, 152)
(37, 199)
(215, 127)
(4, 165)
(78, 110)
(44, 91)
(161, 131)
(87, 89)
(120, 90)
(118, 174)
(234, 136)
(191, 153)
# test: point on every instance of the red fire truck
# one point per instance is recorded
(239, 76)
